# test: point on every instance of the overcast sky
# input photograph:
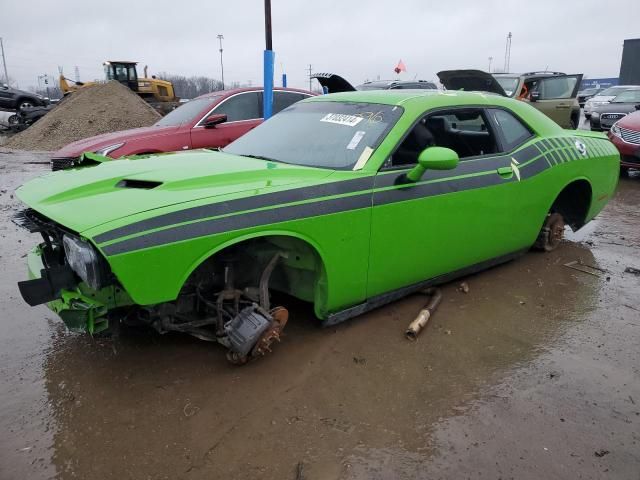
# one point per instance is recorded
(360, 39)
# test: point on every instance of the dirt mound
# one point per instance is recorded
(102, 108)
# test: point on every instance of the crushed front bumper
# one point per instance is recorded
(81, 308)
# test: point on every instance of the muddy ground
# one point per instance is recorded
(532, 374)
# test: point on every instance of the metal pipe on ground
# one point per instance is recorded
(414, 328)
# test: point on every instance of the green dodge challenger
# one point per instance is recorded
(347, 201)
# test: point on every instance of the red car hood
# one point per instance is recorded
(92, 144)
(631, 121)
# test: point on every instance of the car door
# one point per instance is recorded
(450, 220)
(243, 113)
(556, 97)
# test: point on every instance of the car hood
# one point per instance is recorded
(333, 83)
(631, 121)
(85, 198)
(601, 98)
(470, 81)
(616, 108)
(91, 144)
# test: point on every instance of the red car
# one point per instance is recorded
(212, 120)
(625, 135)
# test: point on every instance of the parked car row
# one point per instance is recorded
(606, 114)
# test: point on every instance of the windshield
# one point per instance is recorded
(335, 135)
(187, 112)
(630, 96)
(589, 91)
(508, 84)
(611, 91)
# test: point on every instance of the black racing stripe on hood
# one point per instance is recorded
(239, 205)
(238, 222)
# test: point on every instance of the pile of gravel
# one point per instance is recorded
(102, 108)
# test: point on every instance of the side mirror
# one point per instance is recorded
(212, 120)
(433, 158)
(638, 107)
(534, 96)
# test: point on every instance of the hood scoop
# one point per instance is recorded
(139, 184)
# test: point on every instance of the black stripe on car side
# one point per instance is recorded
(403, 192)
(234, 206)
(237, 222)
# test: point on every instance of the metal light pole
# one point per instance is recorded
(4, 63)
(507, 53)
(269, 56)
(490, 60)
(221, 37)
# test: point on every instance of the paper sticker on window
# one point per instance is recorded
(364, 157)
(353, 144)
(341, 119)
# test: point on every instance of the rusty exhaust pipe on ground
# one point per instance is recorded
(414, 328)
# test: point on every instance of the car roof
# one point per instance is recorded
(233, 91)
(407, 96)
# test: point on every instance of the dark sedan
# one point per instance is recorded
(14, 99)
(604, 116)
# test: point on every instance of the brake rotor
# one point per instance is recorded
(273, 333)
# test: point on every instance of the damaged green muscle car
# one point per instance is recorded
(346, 201)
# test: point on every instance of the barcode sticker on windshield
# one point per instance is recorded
(353, 144)
(341, 119)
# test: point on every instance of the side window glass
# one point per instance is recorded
(244, 106)
(465, 131)
(556, 87)
(514, 133)
(282, 100)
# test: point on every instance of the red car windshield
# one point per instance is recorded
(187, 113)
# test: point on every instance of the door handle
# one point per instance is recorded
(562, 106)
(505, 172)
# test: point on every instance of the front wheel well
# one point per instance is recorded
(299, 271)
(573, 203)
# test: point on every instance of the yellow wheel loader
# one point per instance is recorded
(159, 93)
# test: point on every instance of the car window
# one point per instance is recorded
(185, 113)
(283, 99)
(465, 131)
(508, 84)
(630, 96)
(513, 131)
(611, 91)
(243, 106)
(556, 87)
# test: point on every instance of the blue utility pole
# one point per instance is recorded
(269, 57)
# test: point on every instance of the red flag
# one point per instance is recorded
(400, 67)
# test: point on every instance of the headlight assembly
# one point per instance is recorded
(85, 261)
(615, 129)
(104, 151)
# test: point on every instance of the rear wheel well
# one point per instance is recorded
(573, 203)
(299, 271)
